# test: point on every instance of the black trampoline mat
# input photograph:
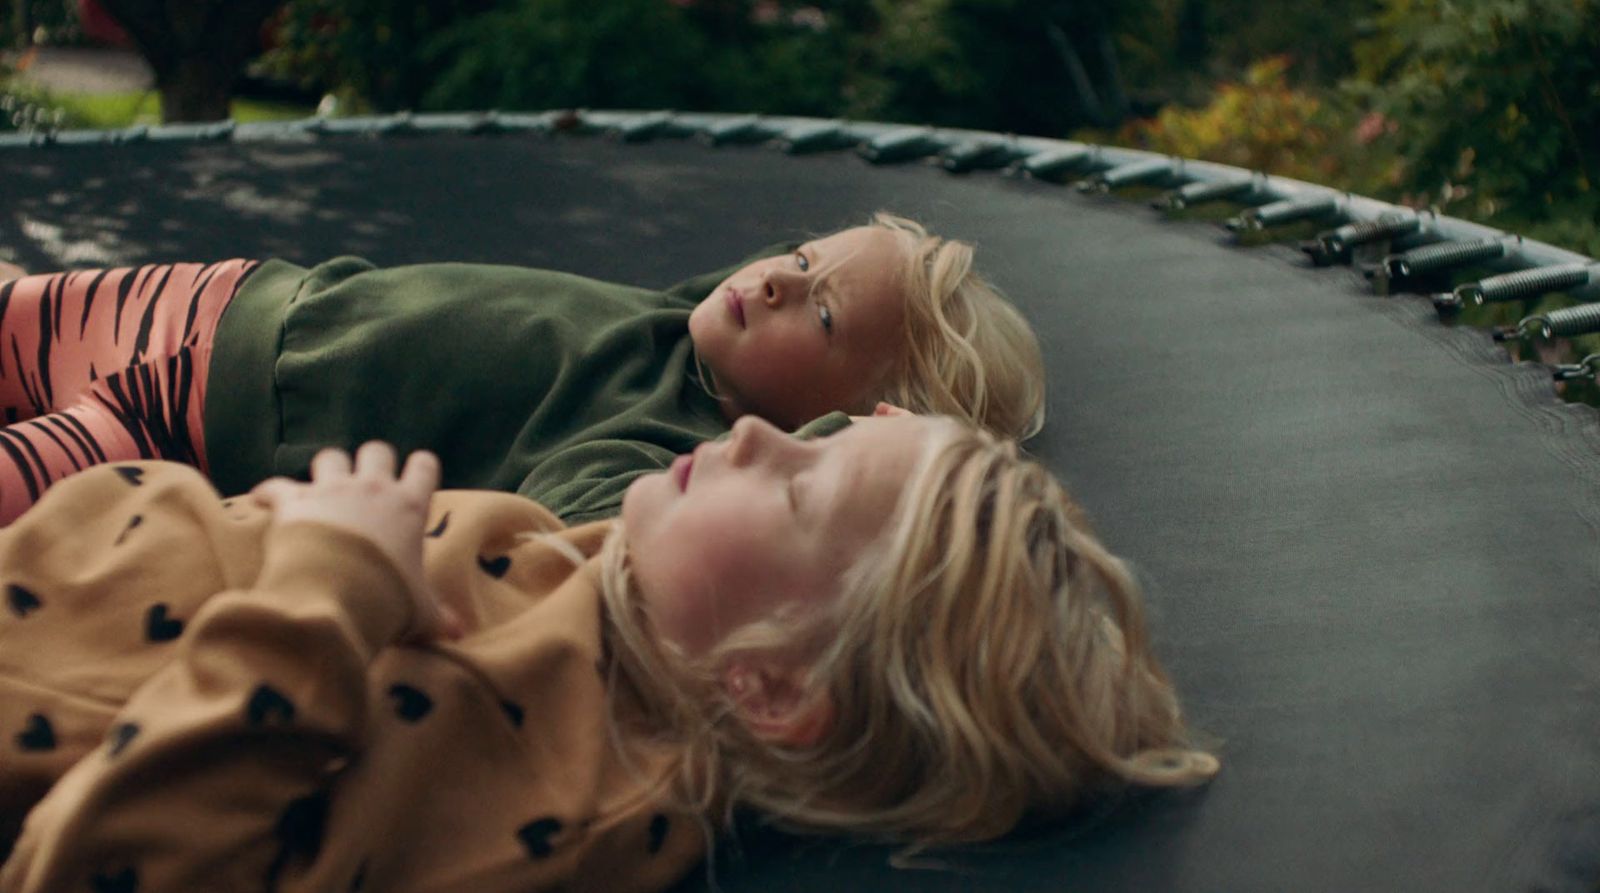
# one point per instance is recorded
(1369, 540)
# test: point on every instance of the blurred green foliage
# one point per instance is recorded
(1177, 50)
(46, 21)
(1488, 111)
(371, 53)
(619, 54)
(1263, 122)
(1037, 66)
(1495, 109)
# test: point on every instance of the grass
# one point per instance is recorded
(113, 110)
(107, 111)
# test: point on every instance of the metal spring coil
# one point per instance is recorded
(1524, 283)
(1284, 211)
(902, 145)
(1200, 192)
(1125, 174)
(1570, 321)
(1365, 231)
(977, 154)
(1443, 256)
(1055, 162)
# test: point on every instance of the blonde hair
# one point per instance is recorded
(986, 658)
(968, 352)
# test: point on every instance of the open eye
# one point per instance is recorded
(826, 317)
(801, 262)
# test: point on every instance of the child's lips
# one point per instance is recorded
(681, 467)
(735, 305)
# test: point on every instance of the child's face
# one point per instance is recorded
(793, 337)
(762, 522)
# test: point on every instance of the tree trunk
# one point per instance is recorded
(195, 90)
(22, 23)
(197, 48)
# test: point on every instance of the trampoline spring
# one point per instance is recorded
(1128, 174)
(1335, 245)
(1443, 256)
(136, 133)
(1281, 212)
(901, 145)
(1385, 226)
(487, 122)
(323, 125)
(1564, 323)
(979, 154)
(399, 123)
(1056, 163)
(1197, 193)
(1523, 283)
(1584, 368)
(816, 138)
(644, 127)
(747, 129)
(205, 132)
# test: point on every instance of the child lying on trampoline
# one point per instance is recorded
(903, 631)
(556, 386)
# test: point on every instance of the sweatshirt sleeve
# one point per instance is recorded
(221, 758)
(586, 482)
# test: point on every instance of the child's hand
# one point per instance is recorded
(369, 501)
(883, 409)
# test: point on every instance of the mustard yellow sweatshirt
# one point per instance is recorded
(192, 699)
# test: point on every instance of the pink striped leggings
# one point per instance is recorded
(105, 366)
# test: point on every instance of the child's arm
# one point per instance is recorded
(217, 760)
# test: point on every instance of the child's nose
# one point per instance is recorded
(778, 287)
(752, 439)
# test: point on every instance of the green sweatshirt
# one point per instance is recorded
(555, 386)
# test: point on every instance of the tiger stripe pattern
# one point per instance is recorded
(105, 366)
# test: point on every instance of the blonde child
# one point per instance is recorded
(903, 632)
(555, 386)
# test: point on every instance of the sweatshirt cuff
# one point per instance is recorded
(823, 426)
(307, 559)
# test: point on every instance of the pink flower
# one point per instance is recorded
(1372, 126)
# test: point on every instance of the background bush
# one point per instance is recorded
(1495, 108)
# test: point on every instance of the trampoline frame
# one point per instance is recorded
(1272, 200)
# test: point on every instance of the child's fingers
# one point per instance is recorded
(421, 474)
(375, 459)
(330, 463)
(267, 493)
(450, 626)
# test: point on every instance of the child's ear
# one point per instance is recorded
(771, 699)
